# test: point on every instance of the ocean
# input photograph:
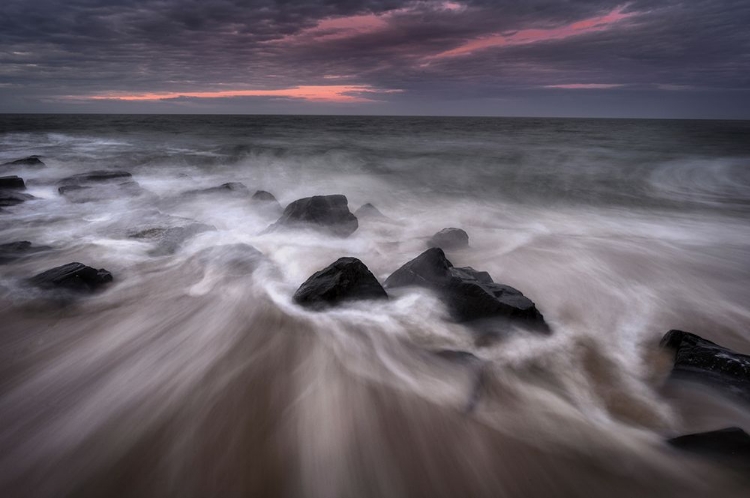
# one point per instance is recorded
(194, 373)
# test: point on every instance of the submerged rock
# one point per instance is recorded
(327, 212)
(99, 185)
(732, 444)
(97, 176)
(469, 295)
(368, 211)
(169, 239)
(263, 196)
(12, 197)
(699, 359)
(73, 276)
(224, 188)
(26, 161)
(450, 238)
(14, 250)
(347, 279)
(476, 365)
(12, 183)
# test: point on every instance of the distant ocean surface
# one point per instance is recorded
(195, 374)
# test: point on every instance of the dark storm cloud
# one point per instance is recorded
(54, 49)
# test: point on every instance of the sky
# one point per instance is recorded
(577, 58)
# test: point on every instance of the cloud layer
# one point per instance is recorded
(500, 57)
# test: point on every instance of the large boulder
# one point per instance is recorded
(450, 238)
(14, 250)
(731, 444)
(701, 360)
(26, 161)
(12, 183)
(325, 212)
(469, 294)
(347, 279)
(75, 277)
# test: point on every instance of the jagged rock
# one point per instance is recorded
(169, 239)
(732, 444)
(73, 276)
(326, 212)
(230, 187)
(12, 183)
(368, 211)
(450, 238)
(26, 161)
(468, 294)
(346, 279)
(14, 250)
(702, 360)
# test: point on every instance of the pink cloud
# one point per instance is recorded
(586, 86)
(319, 93)
(525, 36)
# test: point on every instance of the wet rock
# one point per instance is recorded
(12, 183)
(12, 197)
(91, 193)
(97, 176)
(224, 188)
(731, 444)
(347, 279)
(326, 212)
(701, 360)
(74, 277)
(26, 161)
(168, 240)
(469, 295)
(368, 211)
(15, 250)
(471, 361)
(450, 238)
(267, 201)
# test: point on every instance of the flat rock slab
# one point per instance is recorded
(701, 360)
(97, 176)
(347, 279)
(103, 192)
(224, 188)
(26, 161)
(731, 444)
(12, 183)
(449, 238)
(75, 277)
(15, 250)
(329, 213)
(469, 294)
(13, 197)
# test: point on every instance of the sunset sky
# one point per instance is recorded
(505, 58)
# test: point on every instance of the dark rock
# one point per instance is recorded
(450, 238)
(263, 196)
(368, 211)
(73, 276)
(105, 191)
(169, 239)
(26, 161)
(18, 249)
(327, 212)
(469, 295)
(11, 198)
(345, 280)
(469, 360)
(224, 188)
(12, 183)
(98, 176)
(704, 361)
(731, 443)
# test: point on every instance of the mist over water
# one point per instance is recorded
(194, 373)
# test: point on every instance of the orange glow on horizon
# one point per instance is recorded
(313, 93)
(525, 36)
